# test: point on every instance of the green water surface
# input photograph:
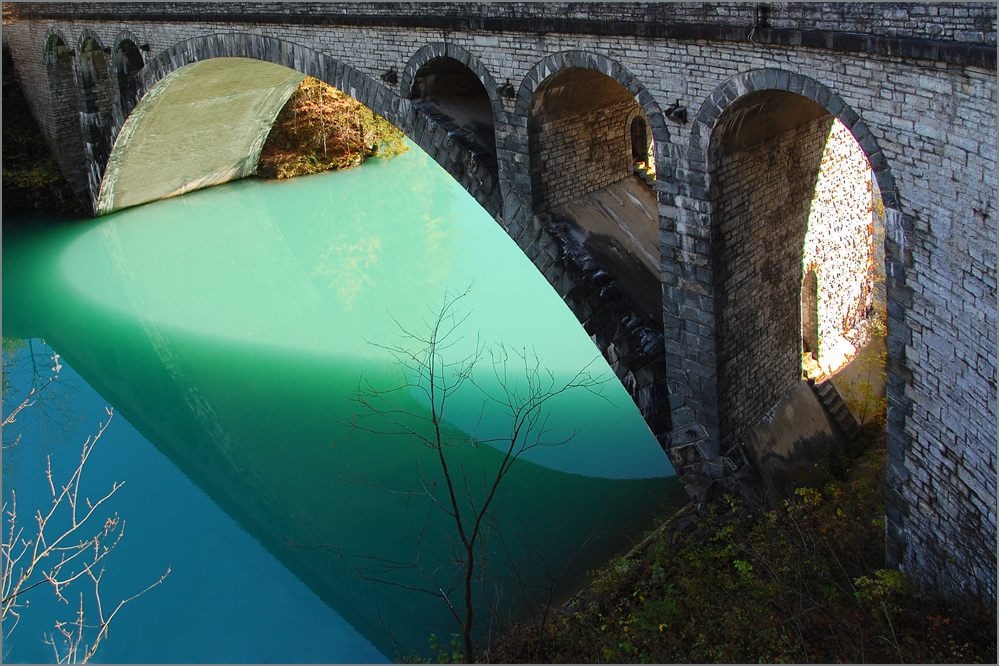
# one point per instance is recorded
(231, 327)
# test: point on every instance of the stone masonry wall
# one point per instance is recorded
(973, 22)
(581, 154)
(764, 193)
(914, 83)
(64, 120)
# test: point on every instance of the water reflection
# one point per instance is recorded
(230, 328)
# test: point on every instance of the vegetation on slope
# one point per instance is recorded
(321, 128)
(804, 582)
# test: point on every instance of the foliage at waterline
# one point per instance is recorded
(321, 128)
(31, 178)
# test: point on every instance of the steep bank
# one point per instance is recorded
(321, 128)
(802, 582)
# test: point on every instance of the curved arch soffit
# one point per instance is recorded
(88, 35)
(604, 65)
(303, 60)
(736, 88)
(203, 124)
(432, 52)
(53, 37)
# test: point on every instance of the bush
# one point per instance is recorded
(321, 128)
(804, 582)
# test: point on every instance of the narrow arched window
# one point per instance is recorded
(810, 314)
(639, 140)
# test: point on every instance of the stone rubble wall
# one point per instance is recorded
(584, 153)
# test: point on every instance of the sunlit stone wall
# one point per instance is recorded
(839, 245)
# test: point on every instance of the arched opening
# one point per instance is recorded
(67, 140)
(792, 238)
(643, 150)
(639, 141)
(95, 89)
(450, 93)
(844, 230)
(128, 62)
(810, 315)
(585, 130)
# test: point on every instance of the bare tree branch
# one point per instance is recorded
(521, 390)
(28, 562)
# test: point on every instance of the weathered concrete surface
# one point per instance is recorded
(173, 141)
(618, 225)
(790, 439)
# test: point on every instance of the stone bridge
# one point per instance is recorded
(532, 106)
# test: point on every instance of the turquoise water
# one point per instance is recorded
(229, 330)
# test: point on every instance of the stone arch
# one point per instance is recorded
(56, 48)
(96, 105)
(128, 61)
(413, 87)
(67, 140)
(93, 73)
(736, 105)
(588, 62)
(628, 336)
(457, 160)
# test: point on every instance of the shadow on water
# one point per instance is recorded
(232, 339)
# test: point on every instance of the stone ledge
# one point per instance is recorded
(949, 51)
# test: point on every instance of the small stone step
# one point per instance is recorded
(837, 408)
